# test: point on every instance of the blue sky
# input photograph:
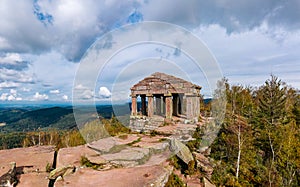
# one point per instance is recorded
(42, 42)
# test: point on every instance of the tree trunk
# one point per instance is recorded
(239, 153)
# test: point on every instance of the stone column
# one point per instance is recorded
(169, 106)
(133, 105)
(192, 106)
(175, 105)
(143, 99)
(150, 105)
(158, 105)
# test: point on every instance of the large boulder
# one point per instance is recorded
(61, 172)
(181, 150)
(9, 178)
(204, 163)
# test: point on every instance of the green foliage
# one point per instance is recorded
(84, 161)
(260, 134)
(195, 144)
(174, 180)
(48, 167)
(178, 164)
(11, 140)
(114, 126)
(135, 141)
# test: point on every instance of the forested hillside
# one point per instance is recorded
(258, 144)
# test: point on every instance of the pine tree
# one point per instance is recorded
(271, 101)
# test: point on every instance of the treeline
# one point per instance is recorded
(259, 142)
(91, 131)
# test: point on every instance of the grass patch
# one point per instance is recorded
(134, 142)
(174, 180)
(84, 161)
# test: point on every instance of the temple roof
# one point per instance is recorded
(161, 83)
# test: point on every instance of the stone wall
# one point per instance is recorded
(145, 124)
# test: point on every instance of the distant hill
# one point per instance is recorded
(30, 119)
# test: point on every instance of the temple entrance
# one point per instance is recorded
(167, 96)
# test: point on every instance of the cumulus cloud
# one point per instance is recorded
(13, 61)
(10, 97)
(39, 44)
(69, 26)
(8, 84)
(40, 97)
(104, 92)
(3, 96)
(87, 94)
(235, 16)
(54, 91)
(10, 75)
(65, 97)
(26, 89)
(13, 91)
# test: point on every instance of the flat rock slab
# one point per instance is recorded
(28, 159)
(31, 161)
(130, 156)
(122, 177)
(72, 155)
(106, 144)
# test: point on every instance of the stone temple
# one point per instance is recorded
(164, 98)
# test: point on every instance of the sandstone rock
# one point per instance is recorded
(159, 147)
(96, 159)
(61, 172)
(10, 178)
(103, 145)
(129, 157)
(207, 183)
(204, 163)
(162, 179)
(181, 150)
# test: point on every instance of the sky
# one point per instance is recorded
(43, 45)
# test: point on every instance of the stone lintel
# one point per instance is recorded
(191, 95)
(149, 95)
(133, 95)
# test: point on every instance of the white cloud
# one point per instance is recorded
(80, 87)
(13, 92)
(54, 91)
(11, 98)
(26, 89)
(65, 97)
(8, 84)
(104, 92)
(3, 96)
(87, 94)
(260, 36)
(75, 24)
(10, 58)
(16, 76)
(8, 97)
(40, 97)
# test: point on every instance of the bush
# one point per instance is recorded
(174, 180)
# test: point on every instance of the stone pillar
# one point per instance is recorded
(169, 106)
(189, 106)
(192, 106)
(158, 105)
(163, 106)
(143, 99)
(150, 105)
(133, 105)
(175, 105)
